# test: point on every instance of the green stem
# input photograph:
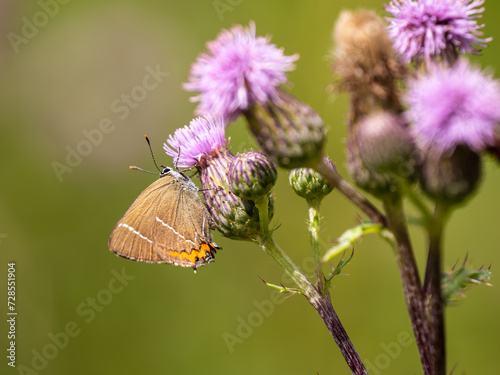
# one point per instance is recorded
(262, 205)
(314, 235)
(433, 290)
(410, 278)
(417, 202)
(321, 303)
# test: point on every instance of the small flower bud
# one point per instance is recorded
(309, 184)
(235, 218)
(291, 133)
(385, 144)
(450, 178)
(251, 175)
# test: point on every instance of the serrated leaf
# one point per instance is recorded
(455, 281)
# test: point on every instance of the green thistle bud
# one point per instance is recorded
(451, 178)
(251, 175)
(291, 133)
(309, 184)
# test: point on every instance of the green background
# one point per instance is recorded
(168, 320)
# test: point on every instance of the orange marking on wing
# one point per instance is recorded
(200, 254)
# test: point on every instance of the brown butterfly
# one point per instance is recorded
(167, 223)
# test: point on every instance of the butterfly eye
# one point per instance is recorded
(165, 171)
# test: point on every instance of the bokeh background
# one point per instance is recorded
(64, 80)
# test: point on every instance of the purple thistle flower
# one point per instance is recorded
(202, 144)
(190, 143)
(238, 70)
(455, 106)
(427, 28)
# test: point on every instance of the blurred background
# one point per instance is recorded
(82, 310)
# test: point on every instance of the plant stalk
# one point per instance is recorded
(337, 181)
(411, 281)
(321, 303)
(433, 290)
(314, 231)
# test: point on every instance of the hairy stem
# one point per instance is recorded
(314, 236)
(321, 303)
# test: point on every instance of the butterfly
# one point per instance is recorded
(167, 223)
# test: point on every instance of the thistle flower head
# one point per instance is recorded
(202, 144)
(190, 144)
(426, 28)
(252, 175)
(290, 132)
(455, 106)
(238, 70)
(364, 61)
(235, 218)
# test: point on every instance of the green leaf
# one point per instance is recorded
(455, 281)
(282, 288)
(350, 236)
(337, 270)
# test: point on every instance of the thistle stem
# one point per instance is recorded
(433, 290)
(334, 178)
(321, 303)
(410, 278)
(262, 205)
(314, 236)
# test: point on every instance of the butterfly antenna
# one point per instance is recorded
(140, 169)
(152, 155)
(177, 160)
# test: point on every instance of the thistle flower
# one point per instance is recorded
(202, 145)
(427, 28)
(365, 62)
(251, 175)
(455, 106)
(242, 74)
(239, 70)
(191, 143)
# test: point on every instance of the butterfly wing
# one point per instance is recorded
(133, 235)
(167, 223)
(183, 230)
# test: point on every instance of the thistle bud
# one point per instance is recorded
(309, 184)
(377, 183)
(251, 175)
(385, 144)
(235, 218)
(450, 178)
(290, 132)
